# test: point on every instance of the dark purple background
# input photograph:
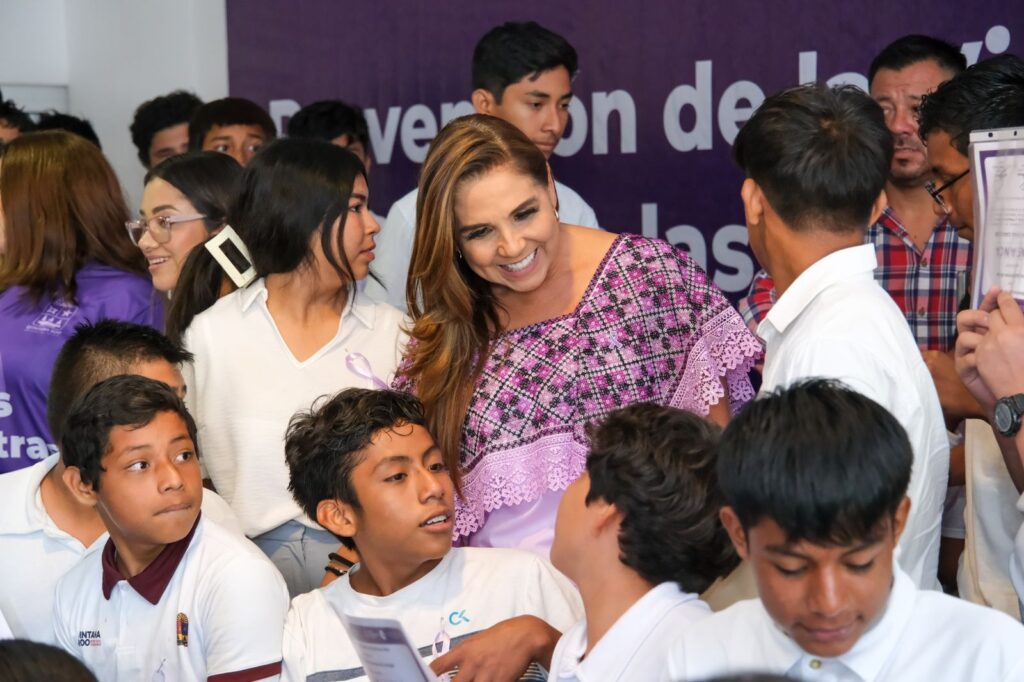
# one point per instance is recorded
(405, 52)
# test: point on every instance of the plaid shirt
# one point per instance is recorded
(926, 285)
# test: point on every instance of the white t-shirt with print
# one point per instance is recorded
(470, 590)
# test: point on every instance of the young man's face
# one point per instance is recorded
(240, 142)
(823, 596)
(151, 489)
(899, 93)
(168, 142)
(947, 163)
(407, 498)
(538, 106)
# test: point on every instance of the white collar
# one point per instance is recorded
(624, 637)
(854, 262)
(359, 305)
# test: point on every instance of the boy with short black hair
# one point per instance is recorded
(234, 126)
(639, 534)
(55, 120)
(44, 530)
(159, 128)
(365, 467)
(522, 73)
(815, 481)
(172, 595)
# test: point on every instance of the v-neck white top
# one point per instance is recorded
(245, 384)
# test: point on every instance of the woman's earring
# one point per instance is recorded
(556, 216)
(458, 253)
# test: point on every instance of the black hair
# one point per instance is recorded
(289, 191)
(123, 400)
(821, 155)
(96, 352)
(228, 111)
(21, 659)
(909, 50)
(515, 50)
(159, 113)
(329, 119)
(323, 446)
(54, 120)
(988, 95)
(14, 116)
(824, 462)
(656, 464)
(210, 182)
(207, 179)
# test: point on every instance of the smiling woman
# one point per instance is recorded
(527, 329)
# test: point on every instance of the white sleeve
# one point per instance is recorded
(243, 620)
(392, 257)
(63, 637)
(294, 648)
(552, 597)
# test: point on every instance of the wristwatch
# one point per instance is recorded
(1008, 413)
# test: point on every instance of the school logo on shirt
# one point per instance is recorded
(182, 623)
(89, 638)
(457, 618)
(53, 320)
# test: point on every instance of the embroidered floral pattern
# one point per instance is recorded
(650, 327)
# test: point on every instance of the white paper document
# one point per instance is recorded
(997, 167)
(385, 650)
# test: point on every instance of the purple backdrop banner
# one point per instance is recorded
(662, 89)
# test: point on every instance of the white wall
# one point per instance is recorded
(112, 55)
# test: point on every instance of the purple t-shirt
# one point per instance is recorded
(32, 335)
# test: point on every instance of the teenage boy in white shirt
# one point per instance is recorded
(44, 530)
(522, 73)
(172, 595)
(816, 160)
(639, 534)
(815, 480)
(365, 467)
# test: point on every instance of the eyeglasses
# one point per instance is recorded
(159, 227)
(936, 192)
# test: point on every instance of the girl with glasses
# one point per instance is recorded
(185, 202)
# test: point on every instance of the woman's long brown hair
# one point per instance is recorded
(62, 207)
(453, 310)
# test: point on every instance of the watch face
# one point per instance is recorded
(1003, 417)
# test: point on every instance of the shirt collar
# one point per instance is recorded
(153, 580)
(359, 305)
(627, 633)
(23, 504)
(849, 263)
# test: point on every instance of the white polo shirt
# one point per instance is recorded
(398, 232)
(923, 636)
(470, 590)
(35, 553)
(635, 647)
(836, 322)
(245, 385)
(210, 607)
(992, 519)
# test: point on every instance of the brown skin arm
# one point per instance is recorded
(502, 652)
(346, 553)
(957, 402)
